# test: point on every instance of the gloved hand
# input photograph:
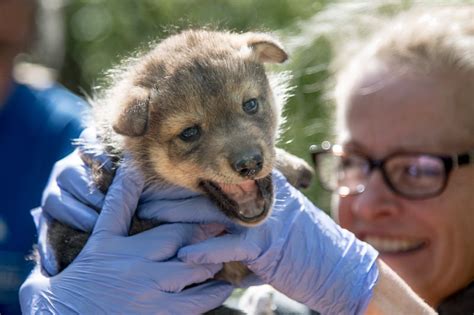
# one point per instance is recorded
(116, 273)
(301, 252)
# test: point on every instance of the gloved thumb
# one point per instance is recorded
(120, 202)
(220, 249)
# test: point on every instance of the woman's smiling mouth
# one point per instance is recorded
(394, 245)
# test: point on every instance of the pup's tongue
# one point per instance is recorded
(247, 196)
(248, 202)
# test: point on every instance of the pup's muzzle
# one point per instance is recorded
(249, 202)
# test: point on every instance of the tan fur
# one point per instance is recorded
(216, 72)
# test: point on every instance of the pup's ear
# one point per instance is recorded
(131, 119)
(265, 48)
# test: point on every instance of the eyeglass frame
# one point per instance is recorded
(450, 162)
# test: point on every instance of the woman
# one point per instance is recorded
(405, 161)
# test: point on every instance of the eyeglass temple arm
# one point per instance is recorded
(462, 159)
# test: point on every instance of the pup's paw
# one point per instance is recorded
(298, 172)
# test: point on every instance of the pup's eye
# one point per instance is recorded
(250, 106)
(190, 134)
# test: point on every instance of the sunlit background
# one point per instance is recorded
(81, 39)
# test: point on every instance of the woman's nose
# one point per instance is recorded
(377, 201)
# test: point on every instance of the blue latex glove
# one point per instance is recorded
(116, 273)
(301, 252)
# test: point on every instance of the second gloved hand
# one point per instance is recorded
(301, 252)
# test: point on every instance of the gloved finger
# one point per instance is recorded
(65, 208)
(69, 198)
(71, 174)
(158, 244)
(28, 293)
(183, 274)
(162, 242)
(46, 252)
(77, 180)
(167, 192)
(120, 202)
(205, 231)
(198, 209)
(219, 250)
(201, 298)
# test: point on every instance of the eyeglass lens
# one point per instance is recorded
(415, 175)
(412, 175)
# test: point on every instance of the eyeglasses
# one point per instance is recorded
(411, 175)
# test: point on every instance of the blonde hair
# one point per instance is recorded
(436, 38)
(429, 40)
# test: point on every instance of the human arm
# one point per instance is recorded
(392, 296)
(116, 273)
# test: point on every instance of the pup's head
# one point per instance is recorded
(198, 111)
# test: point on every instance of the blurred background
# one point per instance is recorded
(78, 40)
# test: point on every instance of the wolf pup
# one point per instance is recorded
(197, 111)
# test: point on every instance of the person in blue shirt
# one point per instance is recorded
(36, 129)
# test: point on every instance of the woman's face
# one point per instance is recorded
(427, 242)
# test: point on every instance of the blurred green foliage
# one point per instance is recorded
(101, 32)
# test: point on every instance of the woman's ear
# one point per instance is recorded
(131, 118)
(264, 48)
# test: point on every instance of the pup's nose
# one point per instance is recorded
(248, 165)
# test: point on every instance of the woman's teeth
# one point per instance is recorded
(392, 245)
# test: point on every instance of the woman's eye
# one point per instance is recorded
(190, 134)
(250, 106)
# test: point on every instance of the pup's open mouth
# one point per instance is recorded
(249, 202)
